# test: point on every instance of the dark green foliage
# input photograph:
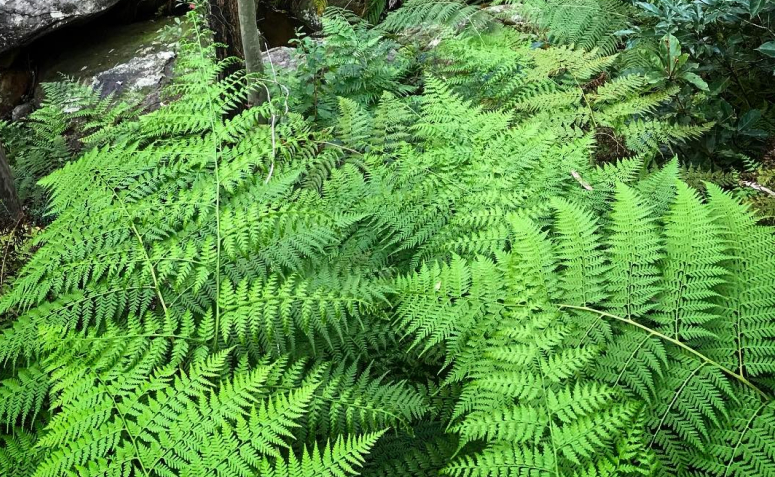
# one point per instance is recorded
(354, 62)
(438, 284)
(72, 116)
(716, 57)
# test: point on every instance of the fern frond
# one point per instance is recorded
(634, 248)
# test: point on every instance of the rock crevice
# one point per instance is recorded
(22, 21)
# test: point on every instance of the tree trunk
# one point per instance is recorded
(11, 207)
(224, 22)
(234, 24)
(251, 47)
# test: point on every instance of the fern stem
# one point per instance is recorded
(586, 101)
(629, 360)
(217, 199)
(147, 258)
(151, 335)
(676, 395)
(126, 427)
(742, 435)
(551, 420)
(152, 270)
(674, 341)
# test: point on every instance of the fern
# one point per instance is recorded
(447, 15)
(587, 24)
(561, 88)
(634, 247)
(420, 272)
(745, 306)
(692, 265)
(71, 116)
(149, 300)
(18, 456)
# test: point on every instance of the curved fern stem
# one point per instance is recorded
(754, 415)
(742, 379)
(171, 336)
(125, 426)
(676, 395)
(146, 257)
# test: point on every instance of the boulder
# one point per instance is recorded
(507, 14)
(134, 58)
(22, 111)
(22, 21)
(282, 57)
(143, 73)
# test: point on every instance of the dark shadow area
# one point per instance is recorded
(119, 34)
(278, 27)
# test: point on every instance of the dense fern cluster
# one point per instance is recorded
(72, 116)
(442, 283)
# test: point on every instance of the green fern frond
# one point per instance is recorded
(744, 303)
(691, 270)
(635, 248)
(587, 24)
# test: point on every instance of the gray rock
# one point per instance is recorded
(22, 111)
(281, 57)
(22, 21)
(144, 72)
(135, 59)
(307, 12)
(506, 14)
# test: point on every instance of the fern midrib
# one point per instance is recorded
(742, 379)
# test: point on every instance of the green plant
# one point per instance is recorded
(566, 89)
(71, 117)
(726, 39)
(354, 61)
(586, 24)
(713, 56)
(430, 285)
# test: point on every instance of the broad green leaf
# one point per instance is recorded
(755, 6)
(696, 81)
(653, 9)
(768, 49)
(749, 119)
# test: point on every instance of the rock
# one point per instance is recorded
(506, 14)
(22, 21)
(282, 57)
(308, 12)
(14, 84)
(136, 58)
(144, 72)
(22, 111)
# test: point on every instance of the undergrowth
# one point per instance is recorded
(433, 278)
